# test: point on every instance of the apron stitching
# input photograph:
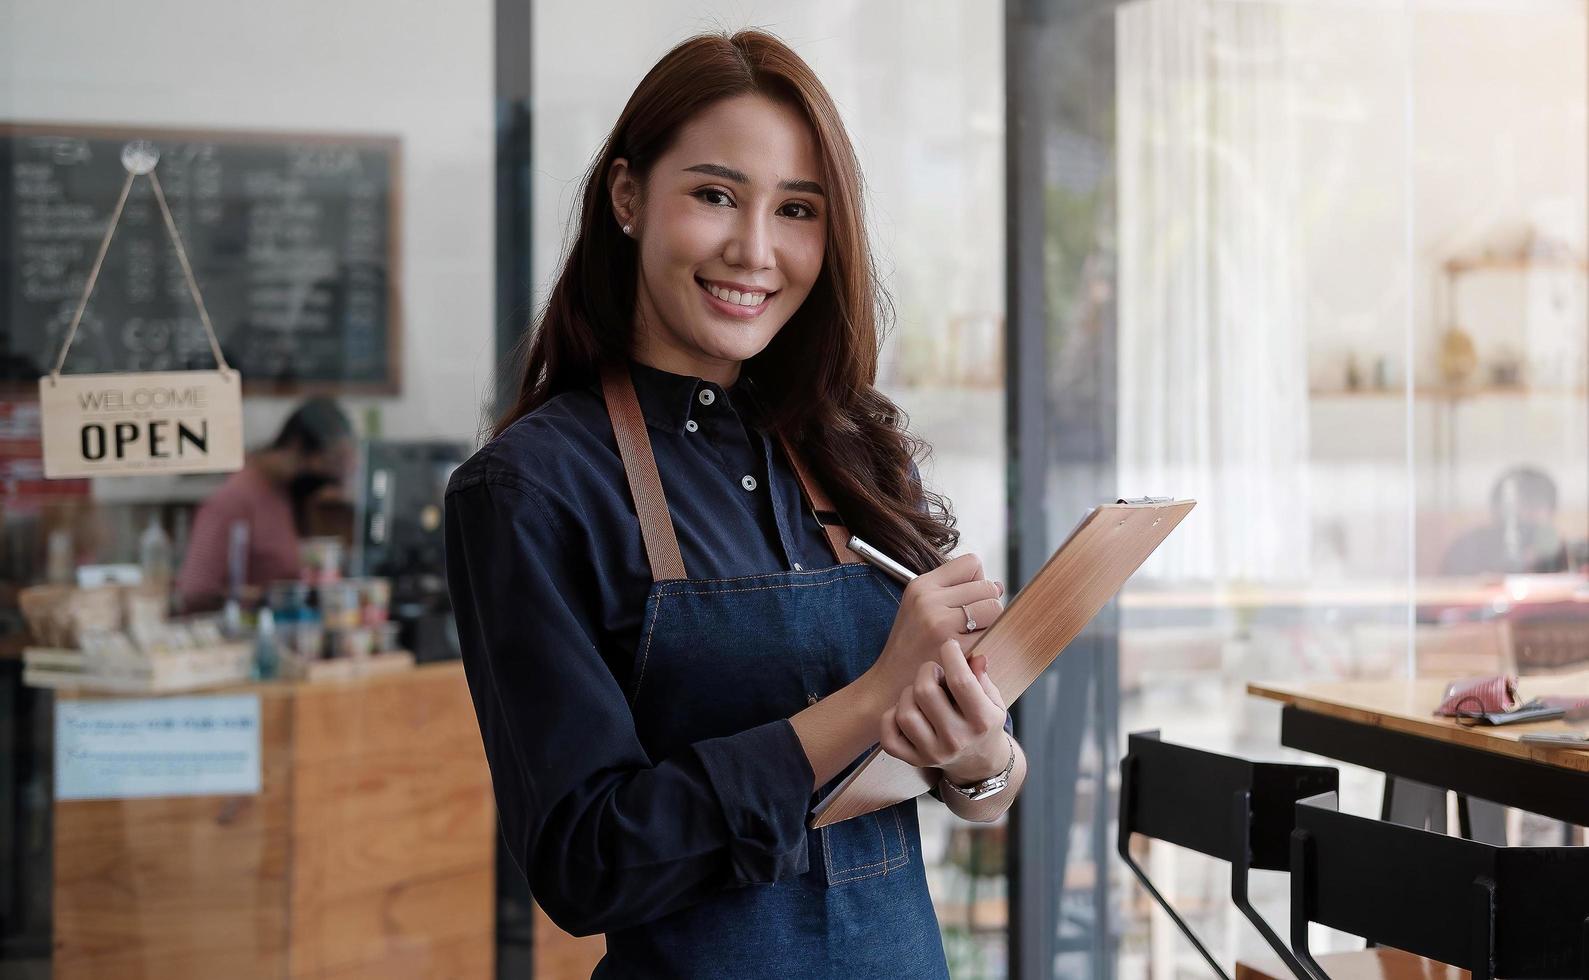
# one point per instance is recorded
(762, 588)
(869, 874)
(899, 829)
(887, 864)
(853, 565)
(645, 652)
(885, 591)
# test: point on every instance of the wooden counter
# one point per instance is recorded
(368, 852)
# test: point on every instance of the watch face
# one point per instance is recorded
(986, 788)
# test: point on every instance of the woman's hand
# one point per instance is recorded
(959, 729)
(933, 610)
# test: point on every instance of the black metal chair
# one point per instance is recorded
(1226, 807)
(1514, 911)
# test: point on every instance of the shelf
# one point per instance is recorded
(1448, 394)
(1502, 263)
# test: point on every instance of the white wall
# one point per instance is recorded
(420, 70)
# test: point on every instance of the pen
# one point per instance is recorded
(899, 572)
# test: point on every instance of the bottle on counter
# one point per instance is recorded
(267, 659)
(232, 619)
(237, 557)
(60, 566)
(154, 552)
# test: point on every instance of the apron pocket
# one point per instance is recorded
(867, 846)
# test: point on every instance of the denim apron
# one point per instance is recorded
(719, 656)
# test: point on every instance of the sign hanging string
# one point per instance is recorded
(182, 257)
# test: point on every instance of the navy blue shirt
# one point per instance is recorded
(549, 579)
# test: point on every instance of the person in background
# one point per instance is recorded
(1521, 536)
(313, 454)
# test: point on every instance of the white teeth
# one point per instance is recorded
(736, 297)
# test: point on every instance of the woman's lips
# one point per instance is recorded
(734, 309)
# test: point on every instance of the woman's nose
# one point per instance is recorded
(751, 244)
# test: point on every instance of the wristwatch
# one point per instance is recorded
(985, 788)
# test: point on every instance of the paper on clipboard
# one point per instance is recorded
(1108, 545)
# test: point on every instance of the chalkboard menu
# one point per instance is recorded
(293, 240)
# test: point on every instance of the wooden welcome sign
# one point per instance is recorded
(138, 424)
(119, 424)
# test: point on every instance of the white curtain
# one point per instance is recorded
(1213, 390)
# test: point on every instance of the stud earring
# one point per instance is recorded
(628, 229)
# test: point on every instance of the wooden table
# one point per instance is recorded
(1389, 726)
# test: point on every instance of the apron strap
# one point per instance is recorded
(821, 507)
(640, 466)
(651, 504)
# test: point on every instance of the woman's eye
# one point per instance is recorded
(802, 210)
(712, 195)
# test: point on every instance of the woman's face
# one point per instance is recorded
(731, 225)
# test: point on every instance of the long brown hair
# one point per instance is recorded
(815, 381)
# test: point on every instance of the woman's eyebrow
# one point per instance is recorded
(730, 174)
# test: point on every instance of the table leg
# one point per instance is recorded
(1481, 820)
(1413, 804)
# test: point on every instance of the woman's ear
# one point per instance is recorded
(624, 190)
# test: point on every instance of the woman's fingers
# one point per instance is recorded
(979, 667)
(966, 593)
(962, 568)
(895, 742)
(980, 714)
(950, 729)
(986, 612)
(915, 726)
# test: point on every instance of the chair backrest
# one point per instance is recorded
(1542, 923)
(1186, 797)
(1519, 911)
(1218, 805)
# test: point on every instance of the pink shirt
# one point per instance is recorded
(246, 496)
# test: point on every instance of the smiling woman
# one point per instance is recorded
(730, 249)
(670, 645)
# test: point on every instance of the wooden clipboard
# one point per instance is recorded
(1095, 561)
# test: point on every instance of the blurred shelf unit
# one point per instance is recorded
(1513, 263)
(1444, 393)
(1472, 389)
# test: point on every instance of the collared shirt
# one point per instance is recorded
(549, 578)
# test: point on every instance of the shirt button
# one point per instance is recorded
(748, 482)
(691, 426)
(706, 396)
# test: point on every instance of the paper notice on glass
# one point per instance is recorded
(191, 746)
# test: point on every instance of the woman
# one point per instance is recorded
(670, 657)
